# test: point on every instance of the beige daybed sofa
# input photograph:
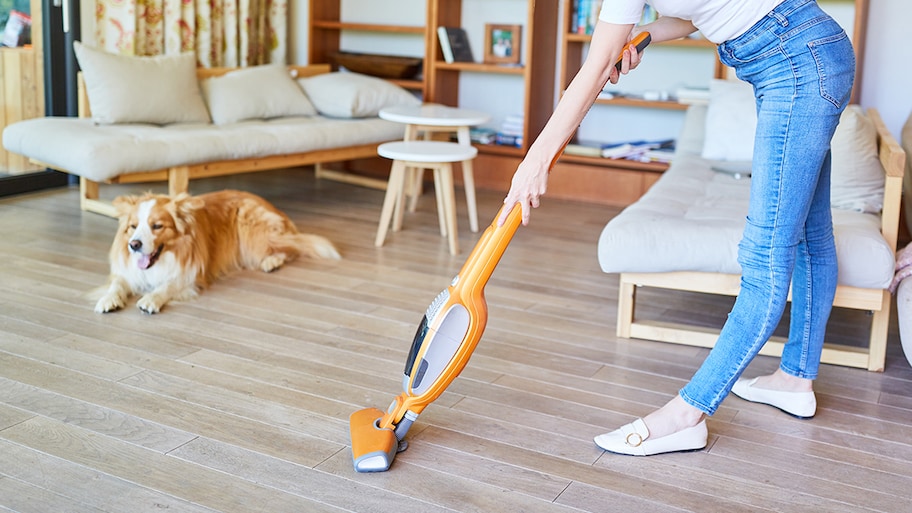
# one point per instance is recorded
(146, 119)
(684, 232)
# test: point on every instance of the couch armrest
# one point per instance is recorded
(893, 160)
(82, 97)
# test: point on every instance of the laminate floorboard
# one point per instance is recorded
(239, 400)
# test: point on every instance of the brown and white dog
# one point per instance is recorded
(171, 248)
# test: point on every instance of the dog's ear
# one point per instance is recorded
(123, 205)
(187, 204)
(182, 207)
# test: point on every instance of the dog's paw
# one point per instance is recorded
(272, 262)
(149, 305)
(109, 303)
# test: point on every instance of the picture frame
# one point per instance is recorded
(502, 43)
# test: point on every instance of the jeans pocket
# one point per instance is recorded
(835, 67)
(749, 48)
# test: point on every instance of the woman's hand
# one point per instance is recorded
(630, 59)
(531, 178)
(529, 183)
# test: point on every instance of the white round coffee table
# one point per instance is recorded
(433, 117)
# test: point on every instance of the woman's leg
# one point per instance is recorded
(802, 79)
(813, 286)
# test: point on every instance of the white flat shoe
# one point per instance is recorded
(633, 439)
(797, 404)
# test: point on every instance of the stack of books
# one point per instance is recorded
(511, 131)
(481, 135)
(585, 15)
(641, 151)
(691, 95)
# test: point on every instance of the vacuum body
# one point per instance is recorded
(444, 342)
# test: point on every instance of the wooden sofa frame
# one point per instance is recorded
(878, 301)
(178, 177)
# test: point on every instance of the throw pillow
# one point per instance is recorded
(127, 89)
(731, 120)
(857, 176)
(344, 94)
(258, 92)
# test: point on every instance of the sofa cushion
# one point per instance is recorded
(731, 121)
(693, 217)
(858, 178)
(259, 92)
(102, 152)
(728, 139)
(127, 89)
(345, 94)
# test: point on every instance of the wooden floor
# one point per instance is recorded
(239, 401)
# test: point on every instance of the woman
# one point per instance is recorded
(801, 65)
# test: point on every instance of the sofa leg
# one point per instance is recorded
(88, 190)
(877, 345)
(88, 199)
(178, 180)
(626, 303)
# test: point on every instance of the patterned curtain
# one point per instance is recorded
(232, 33)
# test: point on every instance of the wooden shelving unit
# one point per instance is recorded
(615, 171)
(326, 29)
(608, 181)
(537, 71)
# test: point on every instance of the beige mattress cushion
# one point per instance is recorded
(692, 220)
(102, 152)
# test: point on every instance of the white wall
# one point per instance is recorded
(887, 80)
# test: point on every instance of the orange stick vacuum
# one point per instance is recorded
(446, 338)
(443, 344)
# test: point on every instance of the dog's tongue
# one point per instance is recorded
(144, 261)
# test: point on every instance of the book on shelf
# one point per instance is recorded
(585, 15)
(584, 148)
(512, 125)
(509, 140)
(454, 42)
(643, 151)
(634, 150)
(663, 155)
(692, 95)
(481, 135)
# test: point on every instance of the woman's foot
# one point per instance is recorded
(675, 427)
(788, 393)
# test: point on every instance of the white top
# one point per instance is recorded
(718, 20)
(433, 114)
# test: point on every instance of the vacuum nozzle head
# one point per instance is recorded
(373, 447)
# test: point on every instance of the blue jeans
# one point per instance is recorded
(801, 65)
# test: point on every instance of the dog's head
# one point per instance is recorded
(151, 224)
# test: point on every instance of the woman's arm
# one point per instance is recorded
(531, 178)
(666, 29)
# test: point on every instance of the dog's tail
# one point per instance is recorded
(315, 246)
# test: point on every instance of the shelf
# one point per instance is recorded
(534, 78)
(368, 27)
(632, 165)
(497, 149)
(481, 68)
(412, 84)
(651, 104)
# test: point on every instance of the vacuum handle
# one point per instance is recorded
(490, 247)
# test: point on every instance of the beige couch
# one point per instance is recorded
(136, 126)
(683, 235)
